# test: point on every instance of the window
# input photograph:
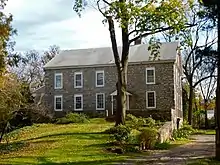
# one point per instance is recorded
(78, 102)
(150, 76)
(58, 103)
(78, 80)
(99, 78)
(58, 80)
(100, 101)
(151, 99)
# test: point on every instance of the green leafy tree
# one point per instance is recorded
(6, 30)
(195, 43)
(136, 19)
(213, 12)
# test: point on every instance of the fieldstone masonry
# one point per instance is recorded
(164, 88)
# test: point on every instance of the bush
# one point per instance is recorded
(148, 138)
(184, 132)
(162, 146)
(119, 133)
(136, 123)
(73, 118)
(150, 122)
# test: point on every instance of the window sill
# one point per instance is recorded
(78, 109)
(59, 88)
(151, 83)
(98, 86)
(77, 87)
(101, 109)
(58, 110)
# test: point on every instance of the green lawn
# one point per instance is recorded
(78, 144)
(210, 161)
(205, 132)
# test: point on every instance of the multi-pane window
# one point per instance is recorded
(78, 80)
(100, 101)
(150, 75)
(100, 78)
(58, 103)
(58, 81)
(151, 99)
(78, 102)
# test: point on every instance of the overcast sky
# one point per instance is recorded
(41, 23)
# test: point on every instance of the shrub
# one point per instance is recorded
(184, 132)
(63, 120)
(150, 122)
(73, 118)
(148, 138)
(162, 146)
(119, 133)
(136, 123)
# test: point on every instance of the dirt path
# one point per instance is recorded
(202, 146)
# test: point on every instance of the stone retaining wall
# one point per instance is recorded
(165, 132)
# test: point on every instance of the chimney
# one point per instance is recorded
(138, 41)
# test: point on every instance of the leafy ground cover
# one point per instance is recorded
(210, 161)
(52, 144)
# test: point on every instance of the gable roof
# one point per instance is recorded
(104, 55)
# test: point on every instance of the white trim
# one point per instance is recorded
(55, 80)
(147, 98)
(75, 96)
(78, 73)
(150, 68)
(127, 101)
(112, 104)
(58, 96)
(100, 71)
(103, 101)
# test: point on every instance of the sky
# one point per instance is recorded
(41, 23)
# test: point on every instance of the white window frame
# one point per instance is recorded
(150, 68)
(55, 97)
(98, 109)
(154, 99)
(78, 73)
(96, 73)
(75, 96)
(55, 80)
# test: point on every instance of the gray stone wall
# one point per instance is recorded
(164, 88)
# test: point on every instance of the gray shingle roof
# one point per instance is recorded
(104, 55)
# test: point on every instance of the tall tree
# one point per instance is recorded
(136, 19)
(50, 53)
(207, 88)
(30, 67)
(6, 30)
(213, 12)
(195, 41)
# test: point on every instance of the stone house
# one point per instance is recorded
(84, 80)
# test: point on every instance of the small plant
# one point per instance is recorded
(148, 138)
(162, 146)
(120, 133)
(150, 122)
(73, 118)
(184, 132)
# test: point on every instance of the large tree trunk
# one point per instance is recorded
(121, 70)
(121, 99)
(3, 130)
(206, 114)
(217, 114)
(190, 111)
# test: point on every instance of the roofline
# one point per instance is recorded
(112, 64)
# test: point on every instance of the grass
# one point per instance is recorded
(206, 161)
(50, 144)
(171, 144)
(205, 132)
